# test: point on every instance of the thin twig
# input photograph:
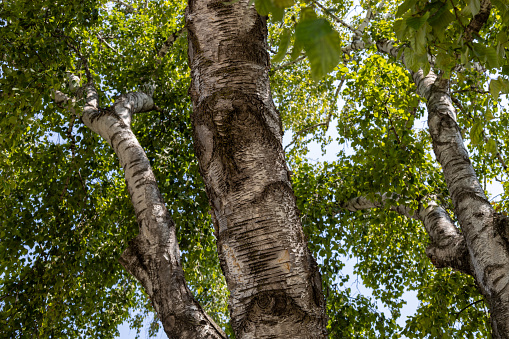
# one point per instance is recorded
(343, 23)
(106, 43)
(471, 89)
(471, 304)
(335, 98)
(281, 66)
(302, 131)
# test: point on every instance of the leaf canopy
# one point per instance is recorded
(66, 214)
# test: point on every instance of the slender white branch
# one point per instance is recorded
(153, 256)
(447, 247)
(99, 36)
(357, 45)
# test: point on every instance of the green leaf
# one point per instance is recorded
(491, 146)
(413, 60)
(416, 22)
(441, 20)
(321, 43)
(400, 28)
(486, 54)
(284, 43)
(505, 70)
(308, 13)
(278, 14)
(420, 40)
(498, 86)
(296, 50)
(266, 7)
(488, 115)
(475, 6)
(445, 61)
(404, 7)
(464, 56)
(284, 3)
(492, 57)
(476, 132)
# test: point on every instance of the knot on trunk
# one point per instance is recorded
(501, 223)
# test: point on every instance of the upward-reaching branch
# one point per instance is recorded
(153, 257)
(275, 287)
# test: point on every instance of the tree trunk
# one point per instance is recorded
(274, 283)
(482, 227)
(485, 232)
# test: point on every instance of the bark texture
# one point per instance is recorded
(487, 248)
(484, 231)
(153, 257)
(447, 247)
(275, 287)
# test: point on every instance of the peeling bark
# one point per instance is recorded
(273, 280)
(153, 257)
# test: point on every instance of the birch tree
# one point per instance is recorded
(116, 154)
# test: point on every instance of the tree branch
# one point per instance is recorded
(469, 305)
(343, 23)
(153, 256)
(478, 21)
(99, 36)
(168, 43)
(447, 247)
(281, 66)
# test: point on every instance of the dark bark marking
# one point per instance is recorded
(271, 306)
(140, 213)
(135, 162)
(489, 270)
(461, 196)
(114, 136)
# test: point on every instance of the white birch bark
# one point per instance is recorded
(479, 222)
(447, 246)
(273, 280)
(483, 229)
(153, 257)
